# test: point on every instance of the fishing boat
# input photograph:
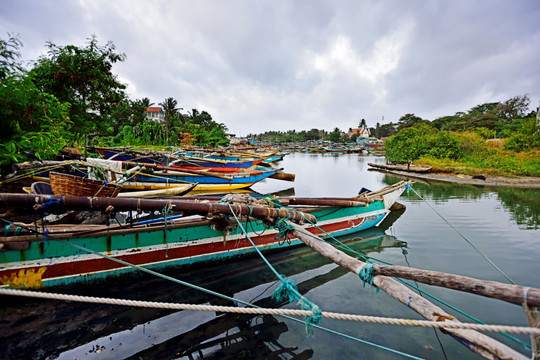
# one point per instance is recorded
(146, 176)
(402, 167)
(206, 181)
(52, 255)
(335, 149)
(61, 341)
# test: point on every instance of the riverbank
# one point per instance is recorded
(526, 182)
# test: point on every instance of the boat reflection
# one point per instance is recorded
(68, 330)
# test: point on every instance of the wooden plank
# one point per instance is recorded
(492, 289)
(478, 343)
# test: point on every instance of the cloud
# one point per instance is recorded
(282, 65)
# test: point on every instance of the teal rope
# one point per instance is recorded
(165, 213)
(369, 258)
(288, 289)
(366, 274)
(527, 346)
(464, 238)
(234, 300)
(330, 236)
(284, 229)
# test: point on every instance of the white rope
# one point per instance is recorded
(261, 311)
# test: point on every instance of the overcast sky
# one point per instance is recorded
(259, 65)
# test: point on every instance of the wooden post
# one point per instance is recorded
(131, 204)
(532, 319)
(479, 343)
(492, 289)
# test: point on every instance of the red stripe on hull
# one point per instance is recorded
(184, 252)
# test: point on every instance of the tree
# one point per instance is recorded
(83, 78)
(9, 55)
(362, 124)
(30, 120)
(408, 120)
(146, 102)
(335, 136)
(514, 108)
(170, 109)
(126, 113)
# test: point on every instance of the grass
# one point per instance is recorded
(495, 162)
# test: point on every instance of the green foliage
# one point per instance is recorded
(409, 144)
(335, 136)
(527, 137)
(408, 120)
(424, 140)
(385, 130)
(82, 77)
(30, 121)
(485, 133)
(204, 130)
(9, 55)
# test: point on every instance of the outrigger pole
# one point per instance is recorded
(476, 342)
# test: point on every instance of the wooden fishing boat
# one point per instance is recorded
(126, 154)
(144, 176)
(64, 254)
(402, 167)
(335, 149)
(205, 181)
(214, 163)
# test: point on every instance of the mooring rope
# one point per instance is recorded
(193, 286)
(288, 289)
(266, 311)
(369, 259)
(465, 238)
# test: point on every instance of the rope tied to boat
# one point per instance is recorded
(288, 291)
(284, 229)
(165, 212)
(366, 274)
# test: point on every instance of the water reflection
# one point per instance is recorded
(522, 204)
(55, 329)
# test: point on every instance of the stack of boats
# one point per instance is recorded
(153, 173)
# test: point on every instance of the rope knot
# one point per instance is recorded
(366, 274)
(284, 229)
(314, 319)
(286, 291)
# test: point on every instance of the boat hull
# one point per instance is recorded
(58, 261)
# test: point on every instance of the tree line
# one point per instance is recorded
(491, 120)
(71, 94)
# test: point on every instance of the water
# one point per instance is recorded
(503, 223)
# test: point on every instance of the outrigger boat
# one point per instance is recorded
(146, 176)
(52, 255)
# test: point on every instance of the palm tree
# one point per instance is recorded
(363, 124)
(146, 102)
(170, 109)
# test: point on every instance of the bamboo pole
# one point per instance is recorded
(168, 168)
(131, 204)
(478, 343)
(492, 289)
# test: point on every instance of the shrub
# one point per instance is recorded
(528, 137)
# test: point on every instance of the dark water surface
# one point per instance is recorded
(503, 223)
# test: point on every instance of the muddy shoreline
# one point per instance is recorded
(526, 182)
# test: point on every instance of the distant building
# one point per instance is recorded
(155, 113)
(360, 133)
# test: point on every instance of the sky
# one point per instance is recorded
(264, 65)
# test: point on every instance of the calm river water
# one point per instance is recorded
(503, 223)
